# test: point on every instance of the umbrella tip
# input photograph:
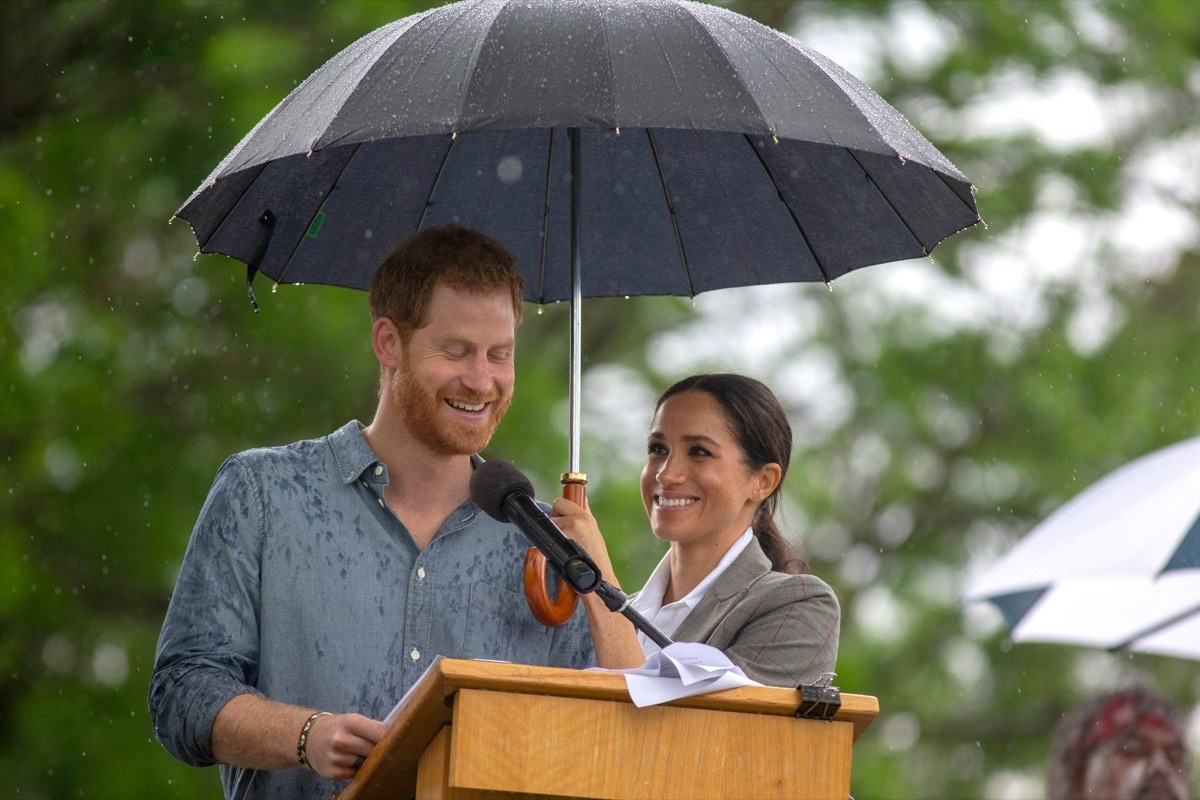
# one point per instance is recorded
(197, 256)
(453, 135)
(774, 138)
(618, 130)
(903, 160)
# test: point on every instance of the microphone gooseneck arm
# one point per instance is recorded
(572, 562)
(618, 601)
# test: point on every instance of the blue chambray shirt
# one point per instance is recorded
(299, 584)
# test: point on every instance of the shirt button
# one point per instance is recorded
(420, 573)
(380, 499)
(415, 655)
(378, 470)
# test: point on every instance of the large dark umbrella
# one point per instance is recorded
(618, 147)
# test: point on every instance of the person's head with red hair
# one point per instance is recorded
(1124, 745)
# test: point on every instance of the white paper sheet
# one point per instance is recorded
(682, 669)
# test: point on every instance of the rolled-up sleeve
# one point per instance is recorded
(208, 649)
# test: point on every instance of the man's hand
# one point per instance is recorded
(335, 744)
(257, 733)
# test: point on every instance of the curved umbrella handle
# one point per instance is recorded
(556, 612)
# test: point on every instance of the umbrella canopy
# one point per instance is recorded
(712, 152)
(1118, 566)
(618, 147)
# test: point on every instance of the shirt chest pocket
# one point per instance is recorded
(500, 626)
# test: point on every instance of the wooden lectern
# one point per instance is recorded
(470, 730)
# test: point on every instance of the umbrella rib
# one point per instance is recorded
(1166, 623)
(946, 181)
(332, 189)
(662, 178)
(792, 214)
(437, 179)
(546, 218)
(888, 200)
(259, 169)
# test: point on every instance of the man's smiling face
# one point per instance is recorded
(455, 379)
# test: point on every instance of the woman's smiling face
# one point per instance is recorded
(696, 486)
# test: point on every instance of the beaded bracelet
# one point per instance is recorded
(302, 745)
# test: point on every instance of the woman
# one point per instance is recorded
(717, 453)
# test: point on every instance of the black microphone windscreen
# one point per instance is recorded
(492, 482)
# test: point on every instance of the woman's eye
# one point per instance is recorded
(700, 451)
(655, 450)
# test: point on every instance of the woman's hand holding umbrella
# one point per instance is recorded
(614, 636)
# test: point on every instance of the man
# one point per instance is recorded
(322, 578)
(1120, 746)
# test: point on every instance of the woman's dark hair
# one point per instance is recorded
(760, 425)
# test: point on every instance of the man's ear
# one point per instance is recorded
(385, 339)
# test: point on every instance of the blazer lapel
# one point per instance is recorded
(729, 589)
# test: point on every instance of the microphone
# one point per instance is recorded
(506, 495)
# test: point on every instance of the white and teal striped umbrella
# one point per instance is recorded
(1117, 567)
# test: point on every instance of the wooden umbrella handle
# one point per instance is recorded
(555, 612)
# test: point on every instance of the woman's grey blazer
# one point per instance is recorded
(782, 630)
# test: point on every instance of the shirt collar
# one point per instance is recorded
(651, 596)
(353, 455)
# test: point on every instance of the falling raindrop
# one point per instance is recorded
(509, 170)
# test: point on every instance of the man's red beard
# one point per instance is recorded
(423, 414)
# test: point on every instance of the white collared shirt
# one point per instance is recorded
(668, 618)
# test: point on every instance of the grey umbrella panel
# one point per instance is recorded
(663, 211)
(496, 64)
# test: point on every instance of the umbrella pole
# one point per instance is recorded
(555, 612)
(576, 306)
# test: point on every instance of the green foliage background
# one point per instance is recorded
(129, 370)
